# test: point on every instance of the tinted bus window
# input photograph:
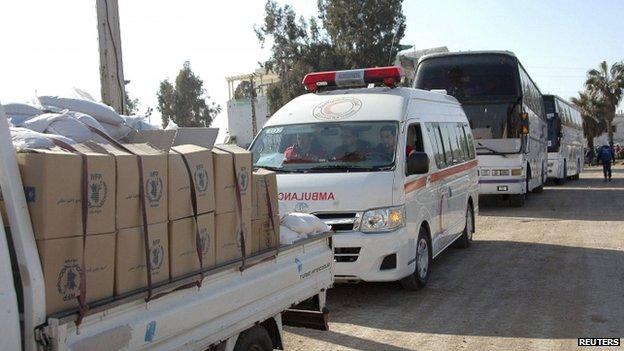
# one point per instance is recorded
(470, 77)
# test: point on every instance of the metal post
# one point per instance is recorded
(33, 288)
(111, 63)
(252, 96)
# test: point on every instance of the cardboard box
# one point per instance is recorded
(228, 241)
(182, 244)
(130, 266)
(61, 260)
(224, 177)
(53, 187)
(200, 163)
(196, 136)
(264, 192)
(263, 235)
(128, 212)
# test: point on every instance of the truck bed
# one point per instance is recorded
(228, 302)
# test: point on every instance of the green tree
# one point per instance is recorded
(362, 34)
(592, 111)
(132, 105)
(243, 91)
(607, 83)
(186, 102)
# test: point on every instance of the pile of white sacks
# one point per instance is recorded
(67, 119)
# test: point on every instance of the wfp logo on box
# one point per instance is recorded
(204, 244)
(243, 180)
(157, 255)
(68, 280)
(201, 179)
(154, 188)
(97, 190)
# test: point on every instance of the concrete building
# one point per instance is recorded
(618, 132)
(240, 130)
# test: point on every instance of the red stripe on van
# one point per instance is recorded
(445, 173)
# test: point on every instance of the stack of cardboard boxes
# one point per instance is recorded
(265, 220)
(191, 213)
(232, 165)
(179, 220)
(130, 259)
(53, 188)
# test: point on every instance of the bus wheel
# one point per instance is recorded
(419, 278)
(254, 339)
(465, 240)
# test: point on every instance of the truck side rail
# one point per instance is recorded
(22, 236)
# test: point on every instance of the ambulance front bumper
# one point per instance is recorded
(373, 257)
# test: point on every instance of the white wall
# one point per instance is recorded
(239, 119)
(618, 136)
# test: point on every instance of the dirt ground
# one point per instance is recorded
(536, 278)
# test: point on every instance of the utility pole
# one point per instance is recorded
(252, 97)
(111, 64)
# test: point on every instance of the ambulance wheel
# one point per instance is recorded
(419, 278)
(254, 339)
(465, 240)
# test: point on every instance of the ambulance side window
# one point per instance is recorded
(414, 139)
(433, 130)
(469, 141)
(447, 141)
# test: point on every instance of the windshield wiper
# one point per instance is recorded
(278, 170)
(347, 168)
(494, 152)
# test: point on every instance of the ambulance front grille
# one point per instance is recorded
(339, 222)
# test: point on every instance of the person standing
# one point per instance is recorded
(605, 155)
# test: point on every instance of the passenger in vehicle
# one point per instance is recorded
(305, 150)
(352, 148)
(385, 148)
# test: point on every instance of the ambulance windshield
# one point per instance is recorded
(327, 147)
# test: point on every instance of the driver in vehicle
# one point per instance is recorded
(385, 148)
(305, 150)
(352, 148)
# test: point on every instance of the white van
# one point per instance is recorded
(342, 154)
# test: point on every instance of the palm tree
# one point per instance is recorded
(608, 84)
(592, 110)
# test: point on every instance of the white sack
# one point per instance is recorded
(304, 223)
(117, 131)
(138, 123)
(99, 111)
(288, 236)
(22, 109)
(39, 123)
(71, 128)
(27, 139)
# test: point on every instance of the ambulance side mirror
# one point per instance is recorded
(417, 163)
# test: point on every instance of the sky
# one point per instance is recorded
(50, 47)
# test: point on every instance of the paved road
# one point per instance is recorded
(536, 277)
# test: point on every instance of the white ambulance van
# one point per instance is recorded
(391, 169)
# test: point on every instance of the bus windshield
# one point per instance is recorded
(327, 147)
(472, 77)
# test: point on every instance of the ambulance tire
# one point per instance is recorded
(465, 240)
(419, 278)
(255, 338)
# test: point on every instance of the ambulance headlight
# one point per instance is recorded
(382, 219)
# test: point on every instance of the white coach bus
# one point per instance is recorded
(393, 170)
(565, 139)
(505, 110)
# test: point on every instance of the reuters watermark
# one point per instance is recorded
(598, 342)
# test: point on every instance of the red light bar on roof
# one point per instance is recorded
(389, 76)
